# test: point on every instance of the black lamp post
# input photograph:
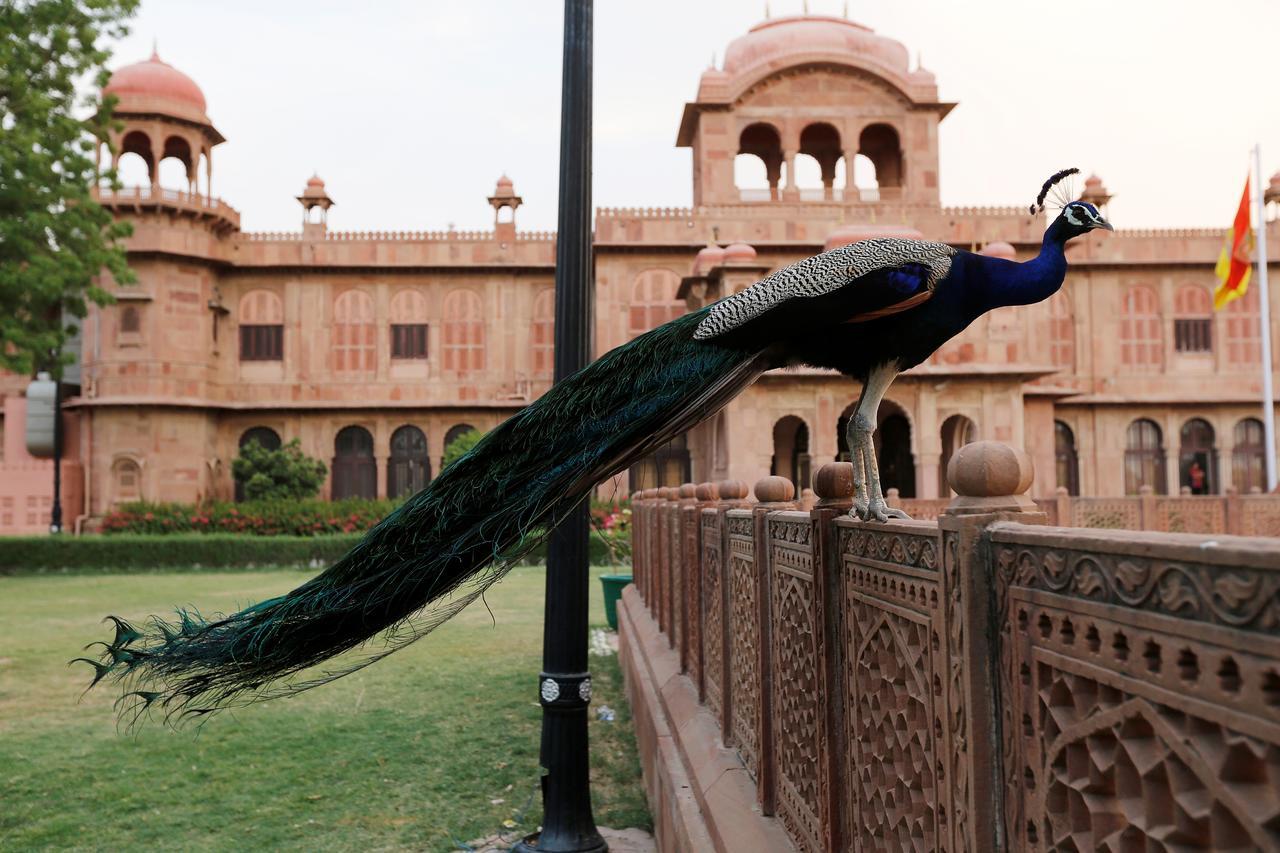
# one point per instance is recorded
(565, 685)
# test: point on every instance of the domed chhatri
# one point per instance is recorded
(154, 85)
(708, 258)
(739, 253)
(999, 249)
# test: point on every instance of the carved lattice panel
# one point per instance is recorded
(662, 564)
(675, 544)
(1191, 515)
(744, 638)
(691, 599)
(1261, 516)
(896, 680)
(1113, 513)
(1141, 699)
(713, 615)
(795, 642)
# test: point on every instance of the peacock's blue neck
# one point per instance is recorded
(1031, 281)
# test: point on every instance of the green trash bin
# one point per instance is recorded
(613, 585)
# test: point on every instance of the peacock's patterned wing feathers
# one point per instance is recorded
(823, 274)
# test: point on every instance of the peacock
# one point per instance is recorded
(869, 310)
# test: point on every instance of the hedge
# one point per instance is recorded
(196, 551)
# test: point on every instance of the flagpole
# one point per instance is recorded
(1264, 297)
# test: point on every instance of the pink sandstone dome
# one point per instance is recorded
(739, 253)
(707, 258)
(154, 80)
(846, 234)
(776, 43)
(999, 249)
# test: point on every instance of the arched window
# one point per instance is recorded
(821, 142)
(408, 325)
(463, 332)
(1242, 335)
(653, 301)
(892, 445)
(1062, 332)
(1144, 458)
(1141, 340)
(791, 451)
(669, 465)
(1198, 458)
(1066, 459)
(957, 431)
(409, 468)
(543, 333)
(1193, 320)
(126, 481)
(177, 166)
(879, 143)
(1248, 458)
(355, 474)
(758, 145)
(261, 318)
(268, 438)
(136, 164)
(354, 334)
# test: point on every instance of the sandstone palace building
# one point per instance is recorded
(374, 349)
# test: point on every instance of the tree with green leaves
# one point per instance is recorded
(283, 473)
(460, 446)
(56, 242)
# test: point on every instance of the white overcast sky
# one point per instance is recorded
(410, 109)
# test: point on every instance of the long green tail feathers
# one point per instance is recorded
(444, 546)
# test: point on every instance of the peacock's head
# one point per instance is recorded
(1077, 217)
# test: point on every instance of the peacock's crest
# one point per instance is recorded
(1062, 191)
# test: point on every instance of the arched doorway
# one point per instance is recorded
(669, 465)
(1144, 458)
(957, 431)
(268, 438)
(409, 467)
(1065, 457)
(1248, 459)
(455, 432)
(355, 473)
(1198, 458)
(892, 442)
(791, 451)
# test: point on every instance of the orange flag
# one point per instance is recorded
(1235, 263)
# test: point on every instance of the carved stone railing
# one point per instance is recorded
(979, 682)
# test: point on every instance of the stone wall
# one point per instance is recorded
(984, 681)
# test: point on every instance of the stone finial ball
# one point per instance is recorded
(688, 490)
(989, 469)
(774, 490)
(834, 480)
(707, 492)
(732, 490)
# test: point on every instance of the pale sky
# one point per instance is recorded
(411, 109)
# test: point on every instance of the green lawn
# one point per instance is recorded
(437, 743)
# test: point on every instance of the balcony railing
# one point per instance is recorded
(982, 682)
(174, 199)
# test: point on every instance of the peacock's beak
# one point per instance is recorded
(1102, 223)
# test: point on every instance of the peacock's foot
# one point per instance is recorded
(859, 509)
(881, 511)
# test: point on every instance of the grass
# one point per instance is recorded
(435, 745)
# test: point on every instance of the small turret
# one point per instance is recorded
(315, 203)
(504, 201)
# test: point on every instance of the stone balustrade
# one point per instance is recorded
(984, 681)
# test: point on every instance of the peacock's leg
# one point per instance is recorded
(861, 429)
(856, 441)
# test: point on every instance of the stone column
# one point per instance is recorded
(790, 191)
(991, 481)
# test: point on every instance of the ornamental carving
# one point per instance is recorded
(744, 652)
(957, 708)
(691, 604)
(712, 612)
(902, 549)
(797, 730)
(1224, 595)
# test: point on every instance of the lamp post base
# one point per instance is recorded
(529, 844)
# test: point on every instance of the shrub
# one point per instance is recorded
(285, 472)
(256, 518)
(133, 552)
(460, 446)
